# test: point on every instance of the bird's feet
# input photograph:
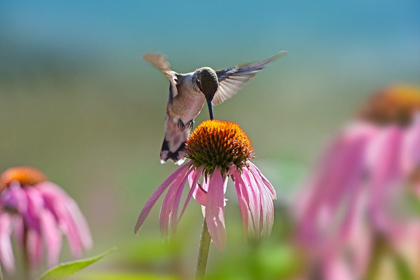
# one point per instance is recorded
(190, 124)
(183, 126)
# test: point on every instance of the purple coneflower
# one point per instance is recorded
(216, 151)
(350, 201)
(36, 211)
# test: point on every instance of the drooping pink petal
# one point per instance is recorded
(267, 207)
(251, 205)
(411, 147)
(18, 229)
(168, 203)
(34, 246)
(215, 210)
(263, 207)
(155, 196)
(270, 187)
(353, 198)
(360, 242)
(65, 211)
(6, 252)
(255, 202)
(350, 167)
(81, 225)
(200, 192)
(310, 209)
(51, 235)
(175, 207)
(334, 268)
(33, 227)
(68, 216)
(337, 178)
(65, 222)
(385, 169)
(244, 205)
(195, 175)
(35, 205)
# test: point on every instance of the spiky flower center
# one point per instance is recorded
(219, 144)
(396, 104)
(26, 176)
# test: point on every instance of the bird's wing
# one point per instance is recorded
(231, 80)
(160, 62)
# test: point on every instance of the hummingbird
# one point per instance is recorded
(188, 92)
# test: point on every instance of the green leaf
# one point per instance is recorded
(402, 268)
(66, 269)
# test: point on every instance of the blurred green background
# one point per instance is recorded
(79, 103)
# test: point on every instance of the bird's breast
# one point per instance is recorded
(186, 105)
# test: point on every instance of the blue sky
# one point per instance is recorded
(375, 40)
(194, 26)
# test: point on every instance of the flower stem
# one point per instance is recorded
(26, 263)
(1, 273)
(203, 252)
(378, 250)
(27, 268)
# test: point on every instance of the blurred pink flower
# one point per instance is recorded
(217, 150)
(37, 211)
(350, 200)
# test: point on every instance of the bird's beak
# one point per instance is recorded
(210, 105)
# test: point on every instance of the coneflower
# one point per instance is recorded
(216, 151)
(37, 212)
(348, 202)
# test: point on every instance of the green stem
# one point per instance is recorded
(203, 252)
(1, 273)
(26, 262)
(378, 250)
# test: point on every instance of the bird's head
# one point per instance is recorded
(207, 81)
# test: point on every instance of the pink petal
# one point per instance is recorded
(76, 215)
(52, 236)
(177, 199)
(361, 244)
(80, 224)
(250, 204)
(155, 196)
(336, 179)
(255, 202)
(168, 203)
(243, 199)
(262, 219)
(34, 247)
(215, 210)
(267, 207)
(200, 193)
(411, 147)
(335, 268)
(18, 229)
(195, 175)
(385, 169)
(68, 213)
(256, 171)
(6, 252)
(35, 205)
(66, 223)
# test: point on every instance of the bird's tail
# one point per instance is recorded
(173, 146)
